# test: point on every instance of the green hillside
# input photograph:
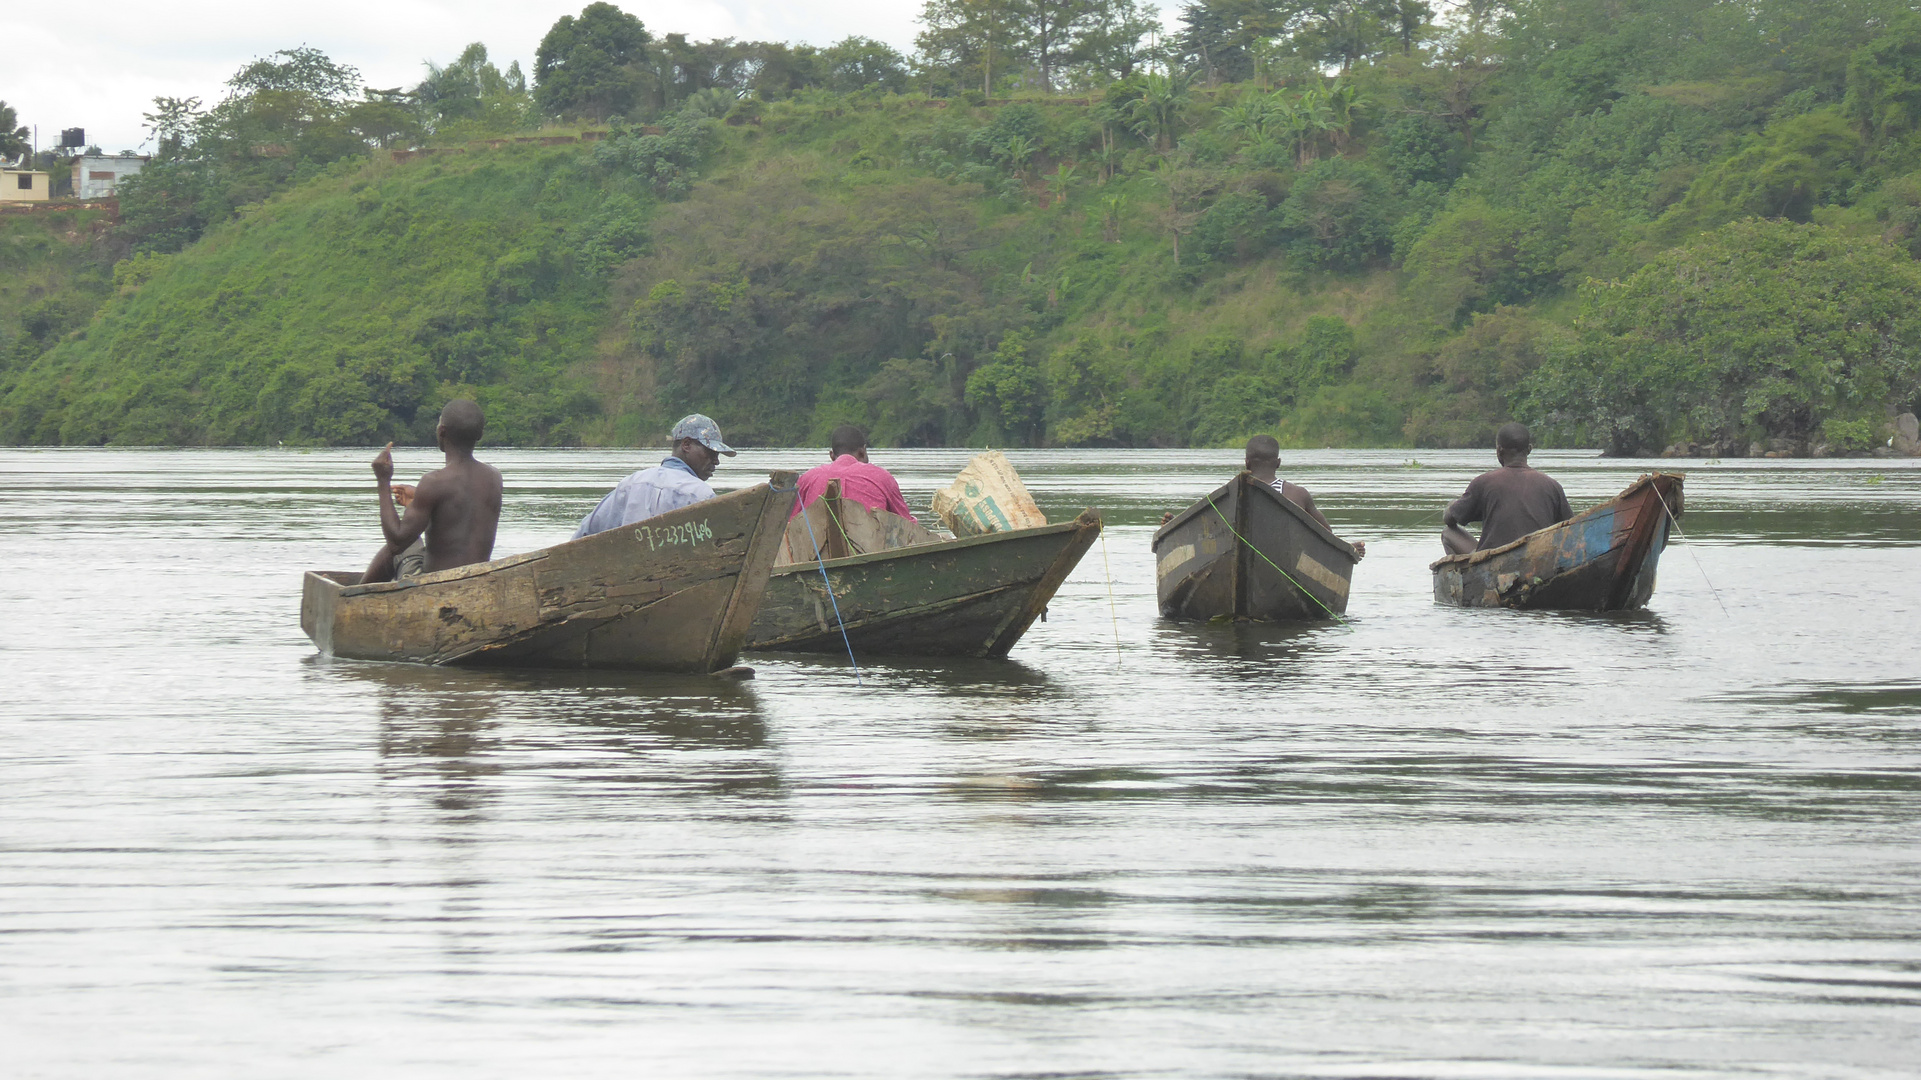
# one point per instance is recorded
(1628, 224)
(343, 311)
(56, 269)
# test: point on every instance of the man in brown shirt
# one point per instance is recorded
(1509, 502)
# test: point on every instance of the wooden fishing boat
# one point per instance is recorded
(673, 593)
(904, 590)
(1603, 559)
(1245, 552)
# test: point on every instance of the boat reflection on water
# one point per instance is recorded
(691, 735)
(1245, 648)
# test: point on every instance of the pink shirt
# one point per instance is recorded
(869, 485)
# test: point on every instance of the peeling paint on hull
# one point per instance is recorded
(1603, 559)
(674, 593)
(974, 596)
(1290, 569)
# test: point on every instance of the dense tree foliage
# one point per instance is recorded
(1759, 329)
(285, 117)
(593, 66)
(1008, 45)
(471, 95)
(1629, 222)
(13, 137)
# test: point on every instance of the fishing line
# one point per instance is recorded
(1275, 565)
(1112, 611)
(829, 585)
(1691, 554)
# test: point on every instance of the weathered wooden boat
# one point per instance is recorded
(1603, 559)
(1244, 552)
(673, 593)
(904, 590)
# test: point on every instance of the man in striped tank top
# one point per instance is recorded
(1264, 461)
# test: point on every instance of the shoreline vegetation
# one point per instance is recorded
(1647, 226)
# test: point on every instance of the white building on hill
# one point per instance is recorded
(98, 176)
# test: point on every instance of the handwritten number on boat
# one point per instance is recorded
(690, 532)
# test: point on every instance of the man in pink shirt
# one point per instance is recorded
(869, 485)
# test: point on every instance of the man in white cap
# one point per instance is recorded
(679, 481)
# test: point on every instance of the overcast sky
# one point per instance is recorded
(100, 65)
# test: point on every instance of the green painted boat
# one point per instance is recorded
(904, 590)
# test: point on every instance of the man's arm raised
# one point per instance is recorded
(400, 532)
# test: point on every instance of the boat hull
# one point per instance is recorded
(974, 596)
(673, 593)
(1289, 568)
(1602, 559)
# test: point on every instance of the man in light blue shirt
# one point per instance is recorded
(679, 481)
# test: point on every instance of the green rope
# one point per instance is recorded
(1275, 565)
(852, 547)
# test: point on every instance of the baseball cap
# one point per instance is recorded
(703, 430)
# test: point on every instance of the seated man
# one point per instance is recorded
(679, 481)
(869, 485)
(1264, 461)
(1510, 502)
(457, 506)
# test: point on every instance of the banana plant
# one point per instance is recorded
(1111, 208)
(1059, 184)
(1017, 151)
(1249, 116)
(1346, 106)
(1156, 113)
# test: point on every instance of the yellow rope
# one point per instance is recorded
(1272, 563)
(1112, 611)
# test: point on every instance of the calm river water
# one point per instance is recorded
(1432, 843)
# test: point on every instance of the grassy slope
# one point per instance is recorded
(55, 268)
(343, 311)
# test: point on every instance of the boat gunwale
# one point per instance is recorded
(1087, 518)
(1300, 515)
(508, 562)
(1470, 558)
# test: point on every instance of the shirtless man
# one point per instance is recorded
(457, 506)
(1264, 461)
(1510, 501)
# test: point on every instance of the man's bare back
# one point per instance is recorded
(456, 506)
